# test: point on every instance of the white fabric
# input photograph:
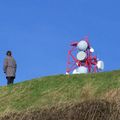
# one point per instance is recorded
(100, 65)
(81, 56)
(82, 45)
(80, 70)
(91, 50)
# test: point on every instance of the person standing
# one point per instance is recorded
(9, 68)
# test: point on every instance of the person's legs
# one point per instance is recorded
(8, 80)
(12, 80)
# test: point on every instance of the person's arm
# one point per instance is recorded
(15, 65)
(5, 65)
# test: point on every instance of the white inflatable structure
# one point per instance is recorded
(84, 61)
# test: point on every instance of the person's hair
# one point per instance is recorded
(8, 53)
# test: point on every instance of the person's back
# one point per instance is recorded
(10, 68)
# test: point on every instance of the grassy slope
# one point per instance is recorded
(55, 90)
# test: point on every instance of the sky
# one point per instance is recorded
(39, 32)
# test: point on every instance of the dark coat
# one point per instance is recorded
(10, 66)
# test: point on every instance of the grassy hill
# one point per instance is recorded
(60, 92)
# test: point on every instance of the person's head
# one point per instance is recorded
(9, 53)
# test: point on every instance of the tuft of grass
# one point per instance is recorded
(57, 90)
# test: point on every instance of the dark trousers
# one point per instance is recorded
(10, 80)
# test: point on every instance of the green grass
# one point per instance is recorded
(57, 90)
